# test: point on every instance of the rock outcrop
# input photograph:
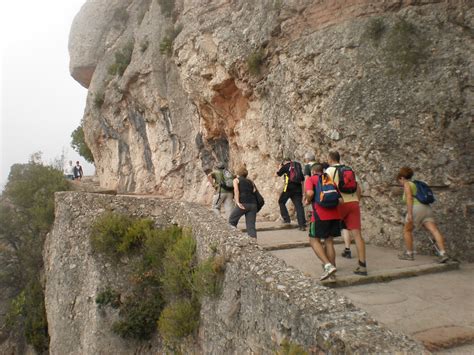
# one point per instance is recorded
(263, 301)
(385, 83)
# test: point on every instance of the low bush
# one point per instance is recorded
(166, 44)
(108, 233)
(99, 98)
(138, 316)
(290, 348)
(122, 60)
(179, 320)
(108, 297)
(255, 61)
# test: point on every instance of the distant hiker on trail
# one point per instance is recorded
(344, 177)
(69, 171)
(246, 202)
(418, 196)
(322, 194)
(78, 173)
(222, 181)
(293, 175)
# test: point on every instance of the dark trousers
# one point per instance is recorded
(250, 213)
(296, 198)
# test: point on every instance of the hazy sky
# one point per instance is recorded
(40, 103)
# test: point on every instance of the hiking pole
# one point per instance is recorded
(433, 243)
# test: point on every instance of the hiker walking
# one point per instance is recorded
(78, 173)
(419, 213)
(222, 181)
(293, 175)
(344, 177)
(322, 194)
(246, 202)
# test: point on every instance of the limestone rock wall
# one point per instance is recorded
(263, 301)
(386, 83)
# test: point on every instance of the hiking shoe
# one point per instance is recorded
(361, 270)
(347, 254)
(406, 256)
(302, 228)
(443, 258)
(329, 269)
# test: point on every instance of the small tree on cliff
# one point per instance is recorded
(79, 144)
(26, 215)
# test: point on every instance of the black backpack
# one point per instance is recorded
(296, 174)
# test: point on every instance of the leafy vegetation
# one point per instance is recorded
(108, 297)
(99, 98)
(122, 60)
(79, 144)
(168, 283)
(26, 216)
(290, 348)
(255, 61)
(166, 44)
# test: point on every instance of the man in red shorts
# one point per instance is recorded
(325, 223)
(350, 212)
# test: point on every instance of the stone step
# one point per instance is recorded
(389, 274)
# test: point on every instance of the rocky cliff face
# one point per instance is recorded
(386, 83)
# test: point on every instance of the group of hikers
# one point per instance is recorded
(328, 193)
(73, 172)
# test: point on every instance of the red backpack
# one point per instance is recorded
(347, 179)
(296, 173)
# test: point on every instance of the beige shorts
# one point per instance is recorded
(421, 214)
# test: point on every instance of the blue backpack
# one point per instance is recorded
(326, 194)
(423, 192)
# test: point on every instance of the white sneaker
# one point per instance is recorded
(329, 269)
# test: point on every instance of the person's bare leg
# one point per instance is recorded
(408, 236)
(330, 252)
(433, 229)
(347, 238)
(360, 244)
(319, 250)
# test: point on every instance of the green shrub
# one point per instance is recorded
(167, 275)
(167, 7)
(207, 277)
(290, 348)
(178, 266)
(405, 48)
(255, 61)
(375, 30)
(108, 297)
(78, 142)
(108, 233)
(122, 60)
(178, 320)
(139, 315)
(99, 98)
(166, 44)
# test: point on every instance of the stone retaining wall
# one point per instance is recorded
(263, 300)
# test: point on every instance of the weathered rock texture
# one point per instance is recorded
(263, 301)
(387, 83)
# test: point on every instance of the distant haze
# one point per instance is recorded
(40, 103)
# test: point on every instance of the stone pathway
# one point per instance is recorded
(429, 301)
